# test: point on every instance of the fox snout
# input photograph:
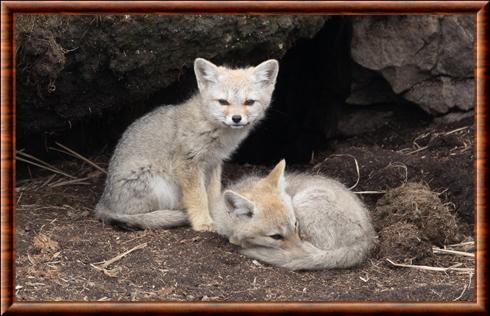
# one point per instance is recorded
(292, 241)
(236, 117)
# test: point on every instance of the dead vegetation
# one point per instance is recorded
(402, 242)
(415, 203)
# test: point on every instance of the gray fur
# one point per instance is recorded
(335, 227)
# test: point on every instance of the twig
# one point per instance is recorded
(104, 264)
(75, 181)
(457, 130)
(109, 272)
(466, 243)
(429, 268)
(45, 167)
(344, 155)
(48, 180)
(26, 155)
(312, 158)
(458, 264)
(77, 155)
(357, 169)
(467, 286)
(417, 150)
(419, 137)
(453, 252)
(400, 165)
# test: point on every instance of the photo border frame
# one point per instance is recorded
(10, 8)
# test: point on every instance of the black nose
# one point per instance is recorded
(236, 118)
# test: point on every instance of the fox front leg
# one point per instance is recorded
(195, 198)
(214, 187)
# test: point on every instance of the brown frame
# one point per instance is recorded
(9, 8)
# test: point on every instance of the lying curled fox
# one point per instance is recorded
(296, 221)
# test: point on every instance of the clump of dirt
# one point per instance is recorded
(43, 252)
(45, 244)
(39, 55)
(415, 203)
(403, 241)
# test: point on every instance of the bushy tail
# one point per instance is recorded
(309, 257)
(155, 219)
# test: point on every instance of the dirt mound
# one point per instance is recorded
(415, 203)
(403, 242)
(40, 57)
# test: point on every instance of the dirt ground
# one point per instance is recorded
(59, 245)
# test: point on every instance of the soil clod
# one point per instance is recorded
(416, 203)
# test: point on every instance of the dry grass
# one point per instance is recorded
(429, 268)
(317, 167)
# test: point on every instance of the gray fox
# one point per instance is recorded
(170, 159)
(296, 221)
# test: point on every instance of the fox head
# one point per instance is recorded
(263, 215)
(235, 98)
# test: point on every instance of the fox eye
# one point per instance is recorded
(277, 237)
(249, 102)
(223, 102)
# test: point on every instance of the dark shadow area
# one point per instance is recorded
(313, 83)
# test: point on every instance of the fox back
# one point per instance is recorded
(297, 221)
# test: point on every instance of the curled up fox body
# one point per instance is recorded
(170, 159)
(296, 221)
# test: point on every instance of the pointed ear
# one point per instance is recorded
(206, 72)
(266, 72)
(276, 176)
(238, 205)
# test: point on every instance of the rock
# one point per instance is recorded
(362, 121)
(439, 95)
(427, 60)
(454, 117)
(457, 40)
(369, 87)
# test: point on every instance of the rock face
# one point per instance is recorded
(369, 87)
(73, 70)
(427, 60)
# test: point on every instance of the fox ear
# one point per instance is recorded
(266, 72)
(206, 72)
(238, 205)
(276, 176)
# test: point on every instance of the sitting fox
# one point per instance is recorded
(170, 159)
(297, 221)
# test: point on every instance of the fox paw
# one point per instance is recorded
(204, 227)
